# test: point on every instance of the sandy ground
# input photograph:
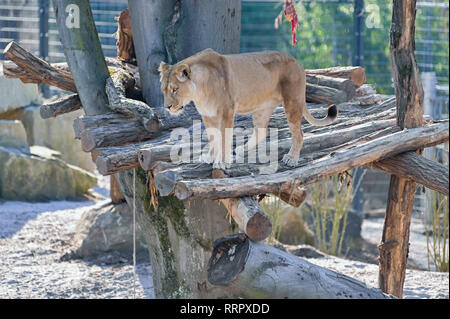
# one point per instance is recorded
(35, 236)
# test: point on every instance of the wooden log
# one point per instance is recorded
(365, 89)
(115, 91)
(341, 84)
(384, 147)
(113, 135)
(420, 169)
(94, 121)
(66, 104)
(257, 270)
(409, 93)
(114, 159)
(323, 94)
(311, 143)
(40, 71)
(247, 214)
(370, 99)
(124, 36)
(115, 193)
(354, 73)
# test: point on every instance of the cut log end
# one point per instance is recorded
(258, 227)
(227, 259)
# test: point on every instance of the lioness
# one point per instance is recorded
(256, 83)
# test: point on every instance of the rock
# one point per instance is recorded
(293, 230)
(14, 94)
(104, 229)
(12, 134)
(57, 133)
(31, 177)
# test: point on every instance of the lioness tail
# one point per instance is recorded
(331, 116)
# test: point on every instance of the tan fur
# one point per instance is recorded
(223, 85)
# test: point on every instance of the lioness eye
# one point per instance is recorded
(174, 90)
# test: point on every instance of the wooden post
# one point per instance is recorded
(83, 53)
(409, 93)
(179, 234)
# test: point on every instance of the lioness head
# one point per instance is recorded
(176, 85)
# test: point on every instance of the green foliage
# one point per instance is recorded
(330, 202)
(325, 36)
(273, 206)
(437, 227)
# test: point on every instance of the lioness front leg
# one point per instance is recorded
(213, 136)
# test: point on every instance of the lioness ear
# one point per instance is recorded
(163, 66)
(183, 72)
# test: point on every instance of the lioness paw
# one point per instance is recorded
(289, 161)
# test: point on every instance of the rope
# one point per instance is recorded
(134, 233)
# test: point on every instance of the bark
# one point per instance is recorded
(338, 162)
(66, 104)
(124, 36)
(419, 169)
(355, 73)
(409, 93)
(84, 56)
(35, 70)
(115, 192)
(112, 135)
(256, 270)
(323, 94)
(94, 121)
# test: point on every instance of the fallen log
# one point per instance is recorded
(66, 104)
(323, 94)
(354, 73)
(341, 84)
(338, 162)
(420, 169)
(256, 270)
(39, 70)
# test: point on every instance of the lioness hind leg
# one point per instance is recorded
(260, 123)
(294, 117)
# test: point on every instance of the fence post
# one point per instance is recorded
(358, 29)
(43, 38)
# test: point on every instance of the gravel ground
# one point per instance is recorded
(34, 238)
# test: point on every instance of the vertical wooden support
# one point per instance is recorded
(409, 93)
(83, 53)
(115, 193)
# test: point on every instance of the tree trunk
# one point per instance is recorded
(83, 53)
(179, 234)
(408, 90)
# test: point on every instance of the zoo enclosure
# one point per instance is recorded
(331, 32)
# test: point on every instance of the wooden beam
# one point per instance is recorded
(409, 93)
(257, 270)
(338, 162)
(417, 168)
(66, 104)
(354, 73)
(35, 69)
